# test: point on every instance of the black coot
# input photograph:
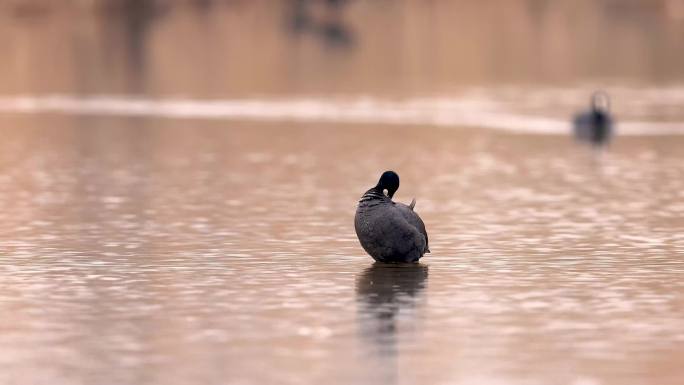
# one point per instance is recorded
(596, 125)
(389, 231)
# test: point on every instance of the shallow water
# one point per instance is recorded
(154, 251)
(178, 181)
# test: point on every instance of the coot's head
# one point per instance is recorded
(600, 102)
(388, 181)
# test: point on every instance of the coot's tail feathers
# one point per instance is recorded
(413, 204)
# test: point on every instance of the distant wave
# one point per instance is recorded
(471, 111)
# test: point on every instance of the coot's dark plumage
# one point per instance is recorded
(389, 231)
(596, 125)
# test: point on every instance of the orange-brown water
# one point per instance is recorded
(174, 249)
(145, 251)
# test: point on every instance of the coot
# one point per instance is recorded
(389, 231)
(596, 125)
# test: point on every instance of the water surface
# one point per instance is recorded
(177, 251)
(178, 181)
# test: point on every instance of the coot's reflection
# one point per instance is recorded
(388, 297)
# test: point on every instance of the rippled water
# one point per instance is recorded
(140, 250)
(178, 181)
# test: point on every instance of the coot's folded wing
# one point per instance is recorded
(413, 219)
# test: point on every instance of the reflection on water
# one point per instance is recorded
(126, 25)
(387, 297)
(246, 48)
(331, 28)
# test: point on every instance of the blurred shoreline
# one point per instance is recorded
(248, 48)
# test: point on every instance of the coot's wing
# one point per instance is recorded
(414, 220)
